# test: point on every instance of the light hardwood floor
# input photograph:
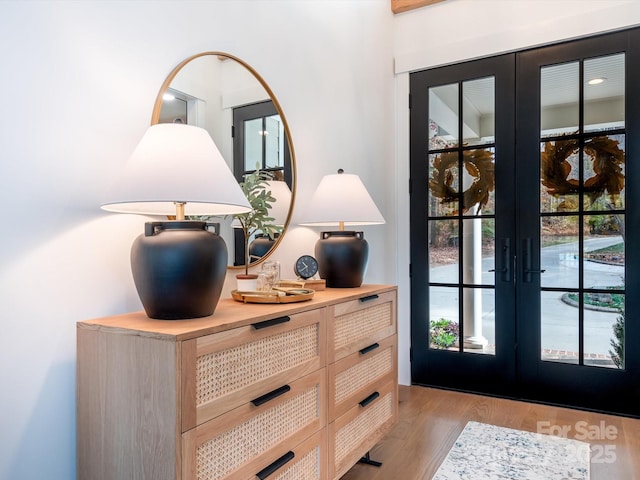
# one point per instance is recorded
(431, 420)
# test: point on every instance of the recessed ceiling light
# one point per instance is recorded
(168, 97)
(596, 81)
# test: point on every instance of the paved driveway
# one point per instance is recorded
(560, 320)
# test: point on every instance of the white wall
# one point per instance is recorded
(458, 30)
(78, 84)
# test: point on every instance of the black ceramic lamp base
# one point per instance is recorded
(261, 245)
(179, 269)
(342, 258)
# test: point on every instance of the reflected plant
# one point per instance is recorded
(443, 333)
(254, 187)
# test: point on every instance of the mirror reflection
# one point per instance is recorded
(227, 97)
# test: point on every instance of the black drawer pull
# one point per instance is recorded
(366, 350)
(271, 395)
(369, 399)
(367, 298)
(270, 323)
(265, 472)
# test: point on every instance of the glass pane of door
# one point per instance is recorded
(582, 211)
(253, 144)
(461, 216)
(274, 142)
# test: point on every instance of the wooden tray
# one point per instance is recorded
(281, 295)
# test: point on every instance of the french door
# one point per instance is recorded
(524, 214)
(462, 173)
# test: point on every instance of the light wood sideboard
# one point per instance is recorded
(285, 391)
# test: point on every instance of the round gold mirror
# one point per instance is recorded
(228, 98)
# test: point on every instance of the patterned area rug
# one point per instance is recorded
(489, 452)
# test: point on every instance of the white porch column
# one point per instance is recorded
(472, 274)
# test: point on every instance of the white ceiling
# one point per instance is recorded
(559, 95)
(560, 84)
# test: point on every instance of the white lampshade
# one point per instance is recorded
(341, 199)
(280, 208)
(177, 163)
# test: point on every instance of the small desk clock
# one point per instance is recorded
(306, 267)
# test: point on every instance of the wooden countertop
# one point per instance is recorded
(228, 314)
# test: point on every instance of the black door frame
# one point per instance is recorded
(243, 114)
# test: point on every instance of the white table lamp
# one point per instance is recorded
(342, 200)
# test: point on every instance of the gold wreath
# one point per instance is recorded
(478, 163)
(607, 166)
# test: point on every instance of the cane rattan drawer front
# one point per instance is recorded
(357, 323)
(243, 441)
(228, 369)
(307, 461)
(353, 434)
(354, 377)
